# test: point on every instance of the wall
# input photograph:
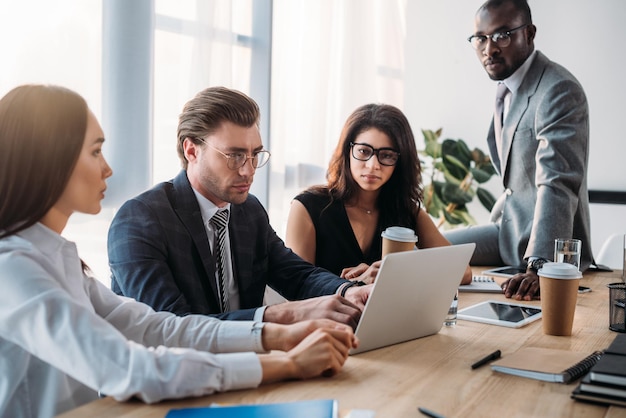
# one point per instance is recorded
(446, 86)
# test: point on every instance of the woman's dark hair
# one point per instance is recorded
(42, 130)
(400, 198)
(206, 112)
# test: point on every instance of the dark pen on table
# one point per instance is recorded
(429, 413)
(496, 354)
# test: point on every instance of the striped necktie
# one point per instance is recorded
(498, 116)
(219, 222)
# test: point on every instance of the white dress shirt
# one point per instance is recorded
(207, 210)
(514, 81)
(64, 336)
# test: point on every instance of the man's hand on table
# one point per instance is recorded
(522, 286)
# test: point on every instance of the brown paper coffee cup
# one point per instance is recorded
(397, 238)
(559, 292)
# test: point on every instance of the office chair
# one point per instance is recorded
(612, 252)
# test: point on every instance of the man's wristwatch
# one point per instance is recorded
(536, 264)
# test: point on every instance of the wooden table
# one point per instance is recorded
(434, 372)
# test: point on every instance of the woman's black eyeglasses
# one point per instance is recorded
(363, 152)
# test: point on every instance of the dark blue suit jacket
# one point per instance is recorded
(159, 254)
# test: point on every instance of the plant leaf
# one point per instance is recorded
(453, 194)
(450, 161)
(452, 219)
(480, 175)
(464, 151)
(456, 157)
(485, 198)
(451, 179)
(448, 164)
(432, 145)
(433, 204)
(466, 217)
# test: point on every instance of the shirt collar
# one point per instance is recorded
(515, 79)
(207, 208)
(47, 240)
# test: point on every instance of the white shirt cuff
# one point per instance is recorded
(242, 370)
(238, 336)
(259, 313)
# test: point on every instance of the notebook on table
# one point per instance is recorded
(606, 381)
(548, 365)
(481, 284)
(321, 408)
(411, 296)
(611, 369)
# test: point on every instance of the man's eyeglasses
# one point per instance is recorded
(236, 160)
(502, 39)
(363, 152)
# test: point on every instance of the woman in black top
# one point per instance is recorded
(374, 181)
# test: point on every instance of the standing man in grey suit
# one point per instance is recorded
(542, 153)
(164, 247)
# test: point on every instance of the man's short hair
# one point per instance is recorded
(520, 5)
(206, 112)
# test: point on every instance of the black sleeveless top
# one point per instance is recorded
(336, 245)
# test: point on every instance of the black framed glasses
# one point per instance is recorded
(502, 39)
(363, 152)
(236, 160)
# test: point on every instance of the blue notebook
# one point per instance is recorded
(322, 408)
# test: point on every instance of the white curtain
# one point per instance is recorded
(55, 42)
(328, 58)
(198, 44)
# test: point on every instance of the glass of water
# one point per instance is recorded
(451, 317)
(567, 251)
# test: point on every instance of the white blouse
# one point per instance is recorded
(64, 336)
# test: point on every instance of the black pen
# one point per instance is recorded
(487, 359)
(429, 413)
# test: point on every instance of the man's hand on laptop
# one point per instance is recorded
(358, 295)
(287, 336)
(362, 273)
(335, 307)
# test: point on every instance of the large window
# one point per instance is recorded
(328, 58)
(198, 44)
(59, 42)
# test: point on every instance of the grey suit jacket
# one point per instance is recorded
(544, 165)
(159, 254)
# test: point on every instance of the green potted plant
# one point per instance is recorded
(455, 173)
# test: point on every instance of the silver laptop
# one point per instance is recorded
(412, 295)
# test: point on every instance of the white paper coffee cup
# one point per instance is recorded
(399, 233)
(559, 292)
(398, 238)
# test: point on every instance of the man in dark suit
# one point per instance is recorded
(164, 245)
(541, 154)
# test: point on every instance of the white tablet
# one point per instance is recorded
(506, 271)
(505, 314)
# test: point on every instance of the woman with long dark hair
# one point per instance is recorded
(64, 336)
(374, 181)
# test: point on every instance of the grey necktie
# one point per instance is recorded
(219, 222)
(501, 92)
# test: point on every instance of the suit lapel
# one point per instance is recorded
(186, 207)
(493, 149)
(241, 249)
(519, 105)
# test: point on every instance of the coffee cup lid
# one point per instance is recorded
(560, 271)
(399, 233)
